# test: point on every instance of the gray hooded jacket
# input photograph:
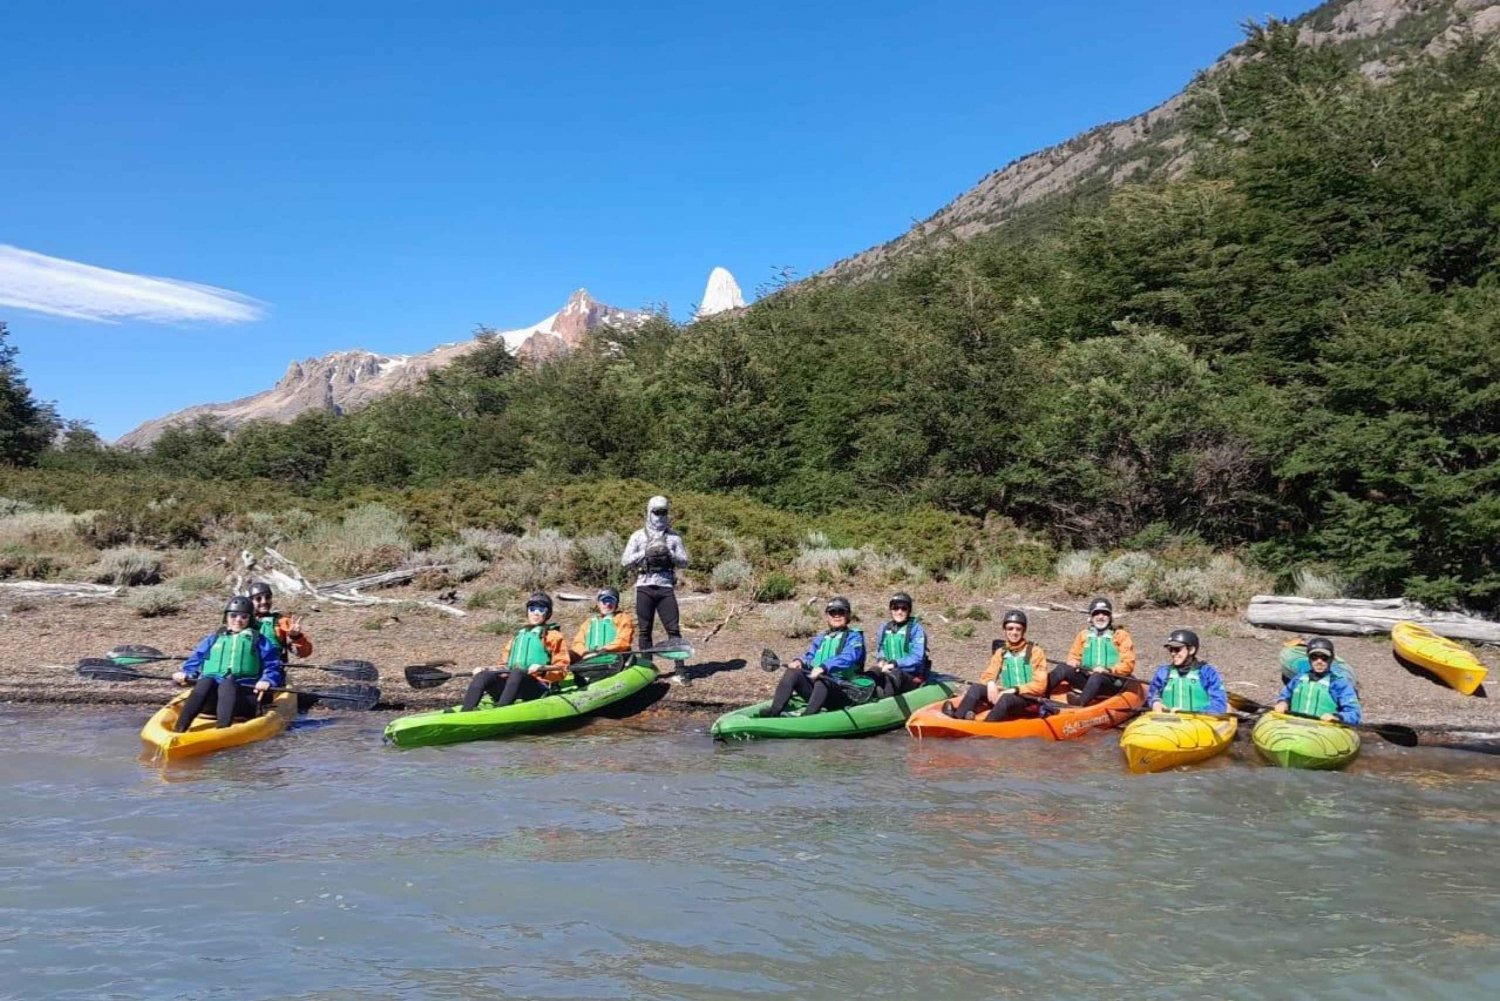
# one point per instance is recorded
(656, 550)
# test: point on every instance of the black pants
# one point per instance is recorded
(503, 688)
(229, 700)
(894, 683)
(1010, 705)
(649, 603)
(824, 693)
(1090, 685)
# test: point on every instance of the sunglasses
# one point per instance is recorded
(836, 612)
(1174, 649)
(237, 615)
(536, 608)
(658, 510)
(611, 602)
(1319, 656)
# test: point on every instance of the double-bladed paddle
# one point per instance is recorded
(354, 697)
(128, 654)
(431, 674)
(1405, 736)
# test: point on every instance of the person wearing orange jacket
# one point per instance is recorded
(1101, 659)
(535, 659)
(1015, 680)
(610, 631)
(280, 628)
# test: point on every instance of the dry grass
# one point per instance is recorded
(127, 565)
(154, 601)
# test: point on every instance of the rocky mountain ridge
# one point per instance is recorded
(1380, 35)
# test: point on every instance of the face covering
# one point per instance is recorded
(657, 523)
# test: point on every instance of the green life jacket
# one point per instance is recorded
(1184, 691)
(1099, 651)
(266, 626)
(601, 632)
(830, 647)
(234, 655)
(527, 650)
(1015, 668)
(895, 641)
(1312, 697)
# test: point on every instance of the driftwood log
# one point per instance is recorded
(60, 589)
(1353, 617)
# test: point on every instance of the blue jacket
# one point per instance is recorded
(846, 662)
(915, 662)
(270, 660)
(1343, 693)
(1218, 698)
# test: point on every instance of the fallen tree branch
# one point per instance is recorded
(1354, 617)
(60, 589)
(733, 613)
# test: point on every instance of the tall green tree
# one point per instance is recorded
(27, 426)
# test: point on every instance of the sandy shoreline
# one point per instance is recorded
(45, 642)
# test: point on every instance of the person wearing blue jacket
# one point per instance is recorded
(234, 665)
(901, 660)
(1186, 684)
(831, 671)
(1320, 693)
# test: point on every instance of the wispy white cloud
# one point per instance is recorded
(59, 287)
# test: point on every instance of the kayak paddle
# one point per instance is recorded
(135, 653)
(431, 673)
(355, 697)
(1404, 736)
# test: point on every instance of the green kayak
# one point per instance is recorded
(1294, 662)
(568, 702)
(1297, 742)
(854, 721)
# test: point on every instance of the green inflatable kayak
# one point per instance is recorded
(877, 716)
(567, 702)
(1294, 662)
(1297, 742)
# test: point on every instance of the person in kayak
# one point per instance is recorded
(609, 630)
(832, 669)
(1015, 680)
(233, 666)
(656, 553)
(535, 659)
(1186, 684)
(901, 660)
(278, 627)
(1101, 659)
(1319, 693)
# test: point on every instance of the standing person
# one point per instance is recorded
(608, 631)
(656, 553)
(901, 659)
(278, 627)
(1014, 681)
(834, 658)
(1101, 659)
(535, 658)
(1319, 693)
(232, 667)
(1186, 684)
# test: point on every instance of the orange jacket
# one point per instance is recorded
(1038, 683)
(1123, 643)
(557, 649)
(624, 635)
(301, 646)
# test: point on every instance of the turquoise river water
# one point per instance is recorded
(620, 860)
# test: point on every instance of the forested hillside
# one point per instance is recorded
(1291, 348)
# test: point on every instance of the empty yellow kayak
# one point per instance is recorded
(1159, 741)
(1452, 664)
(204, 736)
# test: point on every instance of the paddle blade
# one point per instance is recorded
(1403, 736)
(135, 651)
(98, 669)
(769, 661)
(1244, 704)
(351, 697)
(354, 670)
(677, 651)
(427, 675)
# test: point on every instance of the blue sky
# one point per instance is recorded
(386, 176)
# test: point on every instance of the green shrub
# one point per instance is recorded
(775, 586)
(156, 600)
(1317, 585)
(977, 613)
(494, 598)
(127, 565)
(730, 575)
(595, 560)
(794, 621)
(24, 564)
(963, 630)
(196, 584)
(1075, 572)
(538, 561)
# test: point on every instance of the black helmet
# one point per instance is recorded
(239, 603)
(900, 599)
(1014, 615)
(540, 598)
(608, 591)
(1101, 605)
(1182, 637)
(838, 606)
(1320, 644)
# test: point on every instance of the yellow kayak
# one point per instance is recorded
(204, 736)
(1452, 664)
(1159, 741)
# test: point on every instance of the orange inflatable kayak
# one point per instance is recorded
(1066, 723)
